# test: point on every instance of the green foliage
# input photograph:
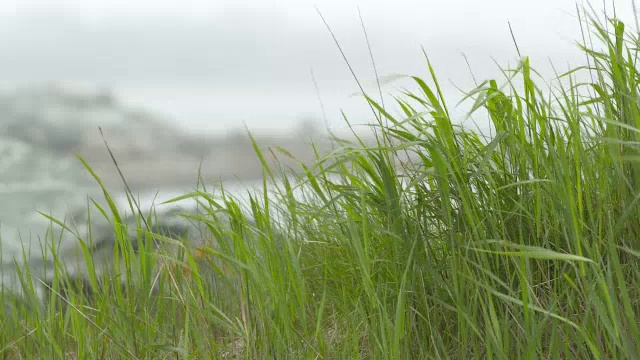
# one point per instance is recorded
(439, 242)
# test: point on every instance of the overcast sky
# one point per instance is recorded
(216, 65)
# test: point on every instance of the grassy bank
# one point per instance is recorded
(520, 244)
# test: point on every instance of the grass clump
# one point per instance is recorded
(439, 242)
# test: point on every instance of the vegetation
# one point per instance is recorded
(523, 244)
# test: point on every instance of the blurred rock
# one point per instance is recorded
(100, 238)
(42, 129)
(152, 151)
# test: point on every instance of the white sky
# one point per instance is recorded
(216, 65)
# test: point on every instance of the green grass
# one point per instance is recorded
(438, 243)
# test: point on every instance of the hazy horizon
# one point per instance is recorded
(215, 67)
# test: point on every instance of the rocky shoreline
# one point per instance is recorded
(168, 229)
(42, 132)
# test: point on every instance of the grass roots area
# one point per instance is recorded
(437, 242)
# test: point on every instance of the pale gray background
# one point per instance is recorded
(215, 65)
